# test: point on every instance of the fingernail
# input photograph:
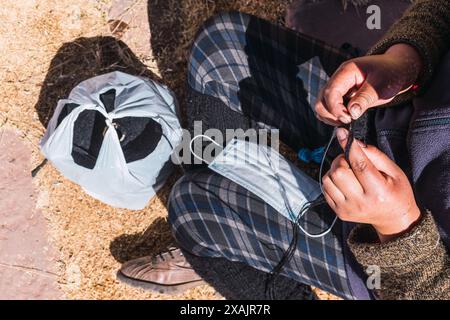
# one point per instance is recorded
(355, 111)
(362, 144)
(345, 119)
(341, 134)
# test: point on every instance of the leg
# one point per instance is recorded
(263, 72)
(213, 217)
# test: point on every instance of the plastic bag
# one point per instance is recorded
(114, 136)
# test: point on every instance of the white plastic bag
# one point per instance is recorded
(108, 175)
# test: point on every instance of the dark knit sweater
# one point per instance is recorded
(417, 265)
(425, 26)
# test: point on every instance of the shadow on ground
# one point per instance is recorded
(155, 239)
(88, 57)
(232, 280)
(174, 25)
(172, 31)
(82, 59)
(238, 281)
(166, 26)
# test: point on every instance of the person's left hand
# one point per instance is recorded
(372, 189)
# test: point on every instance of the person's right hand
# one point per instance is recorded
(378, 79)
(370, 188)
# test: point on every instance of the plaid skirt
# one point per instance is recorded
(254, 70)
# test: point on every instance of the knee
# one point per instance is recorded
(222, 28)
(187, 212)
(185, 206)
(223, 21)
(178, 198)
(223, 31)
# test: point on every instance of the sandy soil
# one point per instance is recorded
(49, 46)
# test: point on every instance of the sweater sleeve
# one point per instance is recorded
(414, 266)
(425, 26)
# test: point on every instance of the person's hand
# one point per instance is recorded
(372, 189)
(378, 80)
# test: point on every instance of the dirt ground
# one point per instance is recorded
(49, 46)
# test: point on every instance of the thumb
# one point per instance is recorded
(378, 158)
(365, 98)
(382, 162)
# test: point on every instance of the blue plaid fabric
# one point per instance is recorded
(270, 75)
(218, 60)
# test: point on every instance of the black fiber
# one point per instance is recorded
(65, 111)
(88, 138)
(358, 129)
(108, 99)
(140, 136)
(238, 281)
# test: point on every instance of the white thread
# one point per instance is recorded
(305, 209)
(201, 136)
(319, 235)
(323, 234)
(108, 122)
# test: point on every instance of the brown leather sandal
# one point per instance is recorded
(168, 272)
